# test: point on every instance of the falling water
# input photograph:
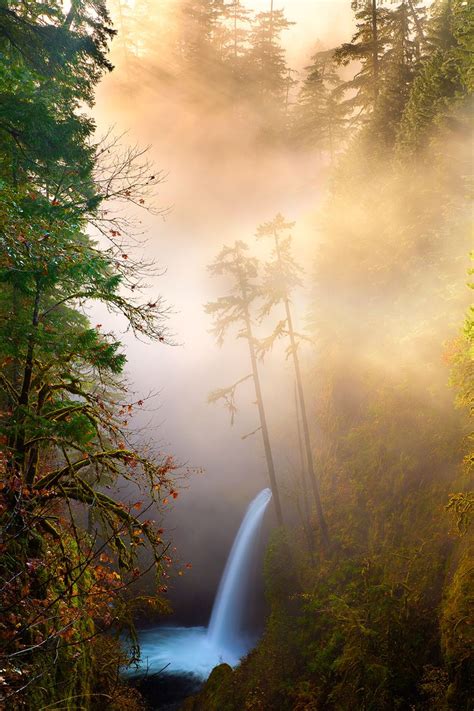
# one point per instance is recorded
(196, 650)
(225, 627)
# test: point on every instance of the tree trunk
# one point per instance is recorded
(331, 140)
(304, 418)
(271, 21)
(301, 453)
(304, 487)
(23, 400)
(261, 409)
(235, 30)
(416, 19)
(375, 51)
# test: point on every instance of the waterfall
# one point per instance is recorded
(197, 650)
(225, 626)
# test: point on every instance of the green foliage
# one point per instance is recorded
(320, 116)
(69, 551)
(388, 46)
(212, 696)
(445, 78)
(51, 61)
(269, 75)
(368, 46)
(457, 630)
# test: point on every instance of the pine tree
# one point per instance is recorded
(367, 47)
(267, 69)
(237, 20)
(204, 36)
(319, 117)
(445, 77)
(54, 61)
(405, 29)
(389, 45)
(282, 275)
(234, 310)
(125, 22)
(63, 403)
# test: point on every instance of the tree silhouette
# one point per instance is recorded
(320, 114)
(282, 275)
(234, 309)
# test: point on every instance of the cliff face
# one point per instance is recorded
(216, 693)
(342, 637)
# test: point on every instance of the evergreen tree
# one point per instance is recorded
(445, 80)
(204, 36)
(319, 117)
(126, 24)
(282, 275)
(389, 45)
(386, 620)
(405, 30)
(51, 63)
(367, 47)
(268, 71)
(238, 18)
(234, 309)
(63, 425)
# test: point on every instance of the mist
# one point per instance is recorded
(222, 180)
(236, 355)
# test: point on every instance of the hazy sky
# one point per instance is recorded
(327, 20)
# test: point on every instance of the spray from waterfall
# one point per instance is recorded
(196, 650)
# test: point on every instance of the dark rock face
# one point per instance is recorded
(166, 692)
(209, 698)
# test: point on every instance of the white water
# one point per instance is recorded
(225, 627)
(197, 650)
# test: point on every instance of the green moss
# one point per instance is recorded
(457, 630)
(215, 695)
